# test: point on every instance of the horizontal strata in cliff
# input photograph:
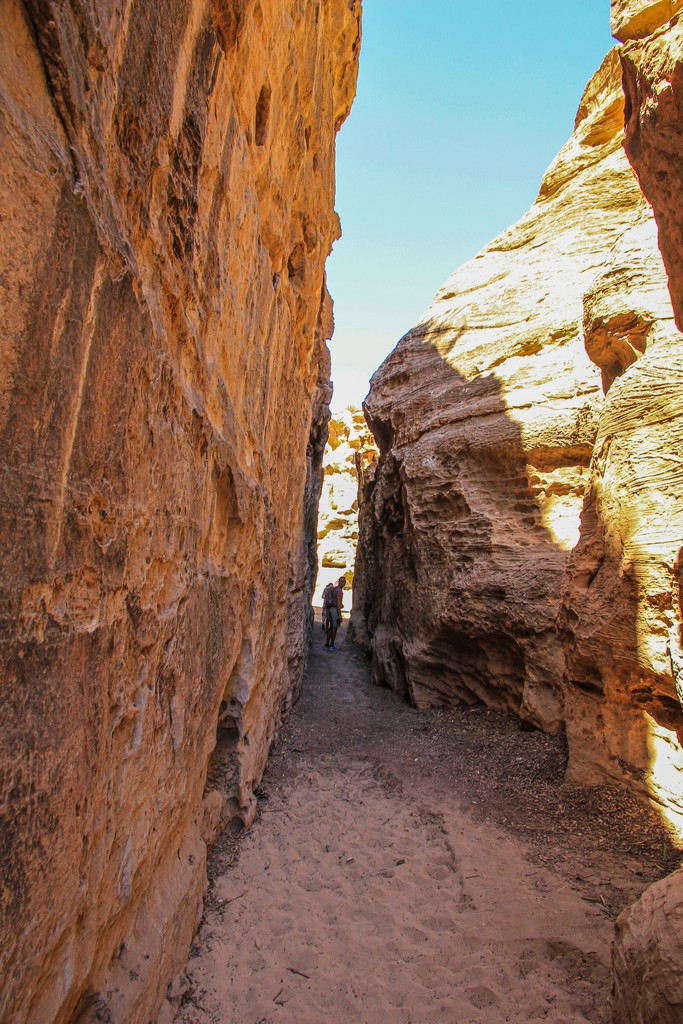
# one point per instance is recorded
(167, 209)
(476, 534)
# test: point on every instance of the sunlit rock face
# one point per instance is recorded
(167, 209)
(645, 481)
(621, 618)
(350, 450)
(635, 19)
(486, 415)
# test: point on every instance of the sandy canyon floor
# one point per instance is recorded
(413, 867)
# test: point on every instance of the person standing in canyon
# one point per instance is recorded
(333, 612)
(328, 588)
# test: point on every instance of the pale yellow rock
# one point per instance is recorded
(626, 310)
(635, 19)
(621, 616)
(350, 449)
(621, 613)
(493, 521)
(640, 489)
(486, 415)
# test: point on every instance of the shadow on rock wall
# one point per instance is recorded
(471, 585)
(620, 621)
(462, 585)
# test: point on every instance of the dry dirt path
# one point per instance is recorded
(414, 867)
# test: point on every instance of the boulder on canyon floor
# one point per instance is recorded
(648, 984)
(167, 207)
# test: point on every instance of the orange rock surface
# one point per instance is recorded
(636, 19)
(167, 201)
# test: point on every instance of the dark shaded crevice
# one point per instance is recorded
(44, 31)
(262, 117)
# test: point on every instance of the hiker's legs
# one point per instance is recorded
(332, 626)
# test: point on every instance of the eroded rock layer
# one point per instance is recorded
(350, 450)
(167, 205)
(621, 615)
(649, 938)
(487, 415)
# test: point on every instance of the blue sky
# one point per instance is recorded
(461, 106)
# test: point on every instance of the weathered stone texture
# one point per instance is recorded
(648, 986)
(486, 415)
(649, 935)
(167, 206)
(350, 450)
(621, 616)
(635, 19)
(653, 83)
(621, 613)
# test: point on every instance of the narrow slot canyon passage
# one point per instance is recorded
(413, 866)
(205, 816)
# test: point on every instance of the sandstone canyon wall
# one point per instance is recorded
(520, 542)
(649, 935)
(350, 450)
(167, 206)
(621, 613)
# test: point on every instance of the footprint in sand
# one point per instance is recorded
(481, 997)
(356, 911)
